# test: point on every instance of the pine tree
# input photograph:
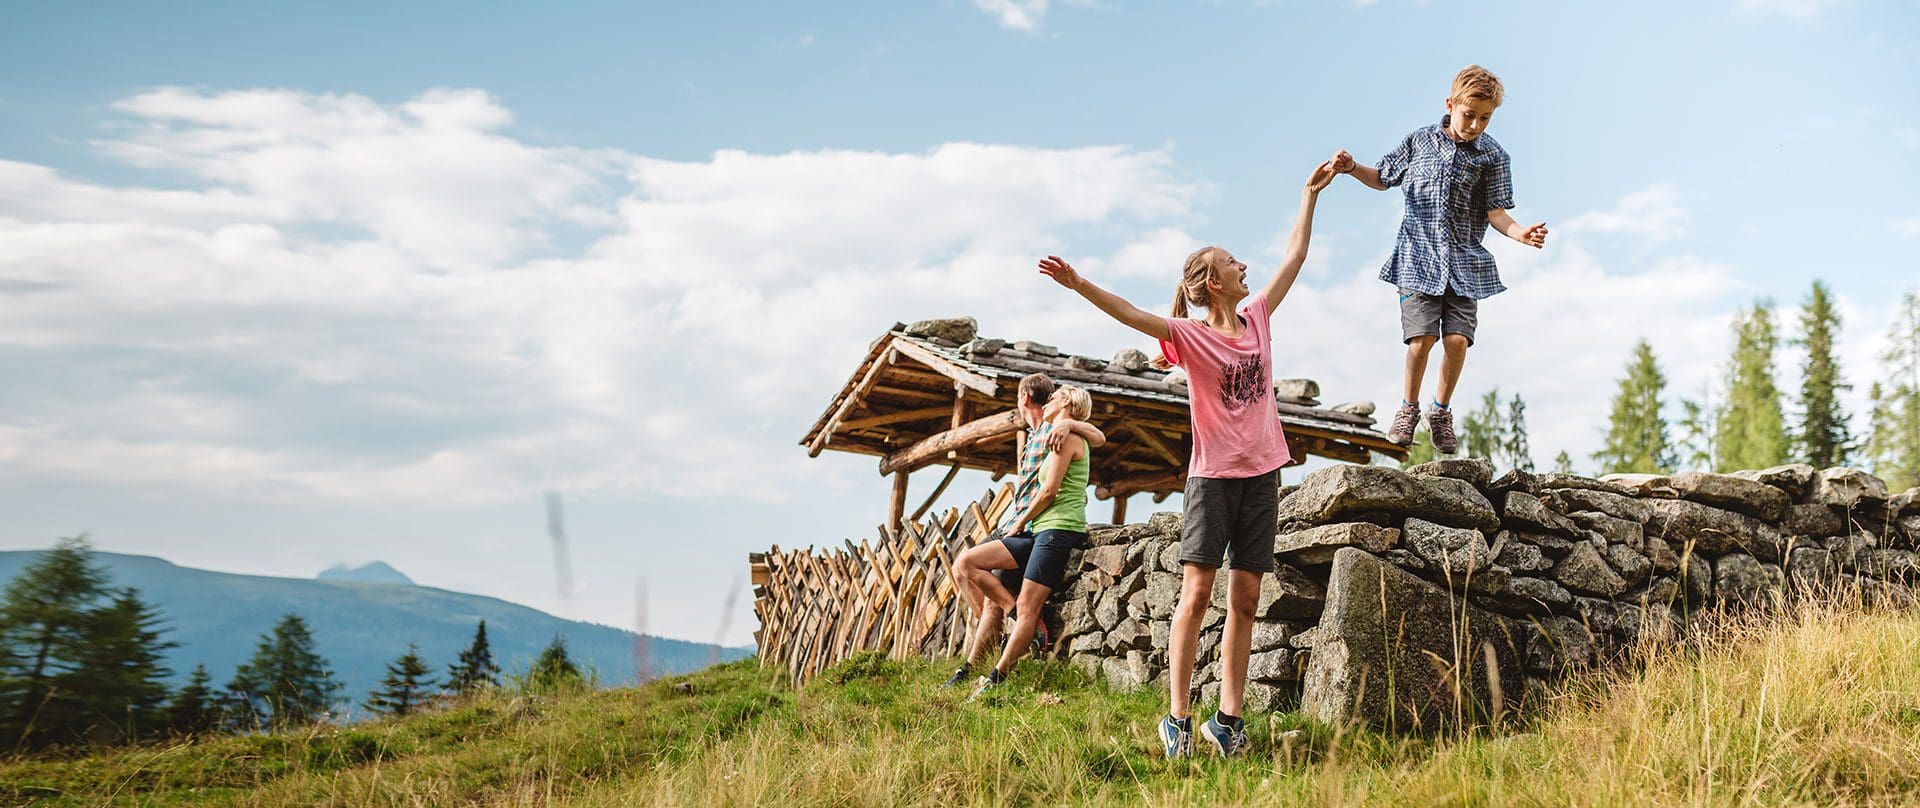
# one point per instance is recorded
(286, 683)
(194, 710)
(1823, 438)
(1563, 463)
(1636, 433)
(1519, 453)
(1697, 428)
(404, 688)
(120, 685)
(476, 668)
(1750, 432)
(45, 617)
(1483, 433)
(554, 669)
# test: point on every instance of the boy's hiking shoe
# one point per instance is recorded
(1404, 421)
(1231, 741)
(1178, 742)
(958, 678)
(988, 682)
(1440, 428)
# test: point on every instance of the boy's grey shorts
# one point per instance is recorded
(1235, 517)
(1425, 315)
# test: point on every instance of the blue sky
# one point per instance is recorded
(286, 287)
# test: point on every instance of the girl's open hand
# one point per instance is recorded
(1323, 175)
(1060, 271)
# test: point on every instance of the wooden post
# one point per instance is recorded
(1120, 510)
(898, 507)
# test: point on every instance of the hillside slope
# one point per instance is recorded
(1820, 710)
(218, 617)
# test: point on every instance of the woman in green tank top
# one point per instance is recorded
(1057, 519)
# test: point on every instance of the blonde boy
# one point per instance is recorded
(1458, 180)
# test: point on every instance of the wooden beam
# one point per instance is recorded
(1120, 510)
(968, 378)
(1154, 443)
(894, 418)
(854, 396)
(898, 506)
(936, 446)
(1169, 481)
(952, 471)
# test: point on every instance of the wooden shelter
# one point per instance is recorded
(935, 394)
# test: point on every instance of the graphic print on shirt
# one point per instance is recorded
(1242, 382)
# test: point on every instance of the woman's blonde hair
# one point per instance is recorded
(1079, 403)
(1199, 271)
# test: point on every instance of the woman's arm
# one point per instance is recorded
(1152, 325)
(1283, 278)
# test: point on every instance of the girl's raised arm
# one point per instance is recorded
(1148, 323)
(1289, 270)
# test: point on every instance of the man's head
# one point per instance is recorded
(1476, 94)
(1035, 389)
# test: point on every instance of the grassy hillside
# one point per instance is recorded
(218, 617)
(1822, 710)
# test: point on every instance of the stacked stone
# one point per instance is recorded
(1441, 593)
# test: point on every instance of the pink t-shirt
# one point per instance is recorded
(1236, 427)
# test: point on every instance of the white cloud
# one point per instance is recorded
(1653, 214)
(369, 303)
(1019, 15)
(1789, 9)
(1909, 227)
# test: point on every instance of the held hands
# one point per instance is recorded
(1342, 162)
(1535, 236)
(1060, 271)
(1323, 175)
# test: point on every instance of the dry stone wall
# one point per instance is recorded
(1441, 594)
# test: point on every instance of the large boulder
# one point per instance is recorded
(1474, 470)
(1454, 551)
(1713, 530)
(1815, 520)
(1742, 579)
(952, 329)
(1288, 593)
(1845, 488)
(1399, 652)
(1315, 546)
(1792, 479)
(1583, 570)
(1523, 511)
(1610, 529)
(1731, 493)
(1335, 492)
(1617, 505)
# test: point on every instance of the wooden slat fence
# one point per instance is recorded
(896, 594)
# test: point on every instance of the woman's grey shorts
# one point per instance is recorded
(1425, 315)
(1231, 520)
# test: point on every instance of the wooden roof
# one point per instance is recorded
(935, 394)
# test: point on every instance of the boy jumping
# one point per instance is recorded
(1458, 181)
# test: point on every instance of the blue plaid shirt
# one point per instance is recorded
(1031, 456)
(1450, 188)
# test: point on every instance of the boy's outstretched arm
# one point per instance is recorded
(1152, 325)
(1289, 270)
(1534, 236)
(1367, 175)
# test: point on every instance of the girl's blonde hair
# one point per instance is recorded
(1194, 278)
(1079, 403)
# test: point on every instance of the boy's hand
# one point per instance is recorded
(1342, 162)
(1322, 176)
(1535, 236)
(1060, 271)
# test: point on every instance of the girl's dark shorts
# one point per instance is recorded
(1231, 521)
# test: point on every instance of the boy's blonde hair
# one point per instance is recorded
(1478, 83)
(1079, 403)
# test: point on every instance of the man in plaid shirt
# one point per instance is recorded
(1458, 180)
(989, 574)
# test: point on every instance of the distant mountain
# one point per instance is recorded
(359, 627)
(375, 572)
